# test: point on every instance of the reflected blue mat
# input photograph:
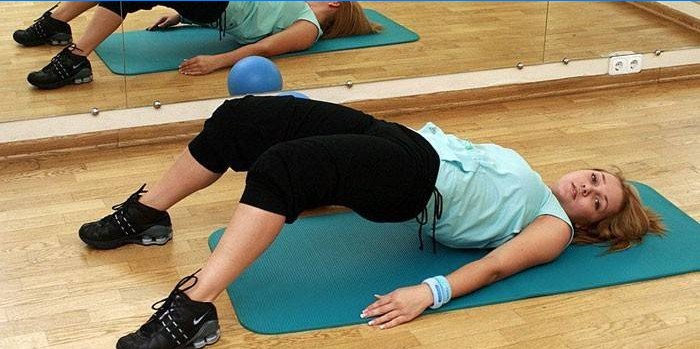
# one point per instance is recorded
(141, 52)
(322, 271)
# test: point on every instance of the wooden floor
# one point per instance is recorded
(455, 37)
(57, 293)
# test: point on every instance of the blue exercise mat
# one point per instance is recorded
(141, 52)
(322, 271)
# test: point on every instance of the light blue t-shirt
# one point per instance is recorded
(490, 193)
(252, 21)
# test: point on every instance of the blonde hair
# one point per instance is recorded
(349, 19)
(625, 228)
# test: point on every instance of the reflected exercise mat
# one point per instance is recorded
(141, 52)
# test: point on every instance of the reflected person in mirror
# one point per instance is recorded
(262, 28)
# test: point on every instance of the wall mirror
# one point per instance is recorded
(454, 37)
(579, 30)
(20, 100)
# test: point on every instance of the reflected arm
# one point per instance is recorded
(299, 36)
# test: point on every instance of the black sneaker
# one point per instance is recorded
(65, 68)
(131, 223)
(45, 30)
(179, 322)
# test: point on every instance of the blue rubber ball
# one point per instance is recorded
(254, 74)
(294, 94)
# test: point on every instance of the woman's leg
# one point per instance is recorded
(386, 180)
(183, 178)
(71, 66)
(232, 124)
(250, 231)
(253, 229)
(108, 17)
(383, 175)
(188, 318)
(142, 218)
(234, 137)
(52, 27)
(66, 11)
(240, 130)
(103, 23)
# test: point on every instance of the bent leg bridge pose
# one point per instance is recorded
(301, 154)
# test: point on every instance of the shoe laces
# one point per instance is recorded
(60, 62)
(38, 26)
(166, 304)
(132, 198)
(120, 211)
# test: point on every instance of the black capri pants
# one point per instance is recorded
(196, 11)
(302, 154)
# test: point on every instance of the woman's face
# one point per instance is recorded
(589, 196)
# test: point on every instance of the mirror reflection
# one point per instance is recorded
(580, 30)
(36, 44)
(454, 37)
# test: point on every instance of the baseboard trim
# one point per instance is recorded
(390, 107)
(102, 139)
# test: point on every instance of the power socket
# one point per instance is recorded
(625, 64)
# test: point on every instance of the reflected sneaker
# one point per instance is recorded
(45, 30)
(131, 223)
(179, 322)
(65, 68)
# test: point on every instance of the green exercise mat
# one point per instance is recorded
(322, 271)
(141, 52)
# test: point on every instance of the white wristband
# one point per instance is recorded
(441, 290)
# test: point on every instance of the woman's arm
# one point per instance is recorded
(299, 36)
(541, 242)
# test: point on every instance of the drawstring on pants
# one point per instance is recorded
(422, 219)
(221, 25)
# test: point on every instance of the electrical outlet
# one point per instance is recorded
(625, 64)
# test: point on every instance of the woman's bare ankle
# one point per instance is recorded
(197, 295)
(152, 201)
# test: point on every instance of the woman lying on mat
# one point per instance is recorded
(301, 154)
(263, 28)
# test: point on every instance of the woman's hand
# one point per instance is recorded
(200, 65)
(165, 22)
(401, 305)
